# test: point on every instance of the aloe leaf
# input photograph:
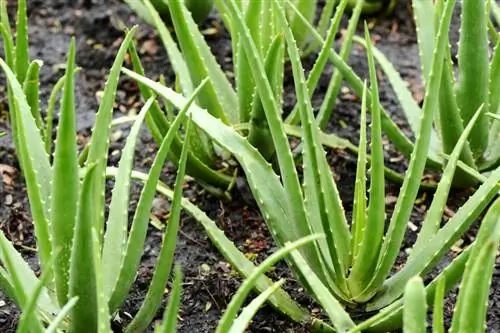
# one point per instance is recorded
(8, 40)
(308, 10)
(115, 238)
(170, 316)
(65, 184)
(103, 317)
(241, 323)
(164, 262)
(391, 129)
(259, 135)
(333, 89)
(141, 10)
(21, 58)
(27, 277)
(432, 221)
(20, 293)
(99, 143)
(320, 63)
(322, 26)
(249, 283)
(245, 84)
(293, 193)
(320, 178)
(35, 165)
(359, 205)
(51, 106)
(31, 90)
(280, 300)
(137, 235)
(470, 310)
(472, 88)
(218, 96)
(409, 190)
(423, 13)
(415, 307)
(437, 310)
(409, 105)
(174, 55)
(437, 246)
(339, 317)
(159, 124)
(82, 274)
(373, 232)
(61, 315)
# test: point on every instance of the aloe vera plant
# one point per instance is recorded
(88, 264)
(475, 84)
(352, 265)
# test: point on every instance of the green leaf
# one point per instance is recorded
(137, 235)
(22, 46)
(472, 88)
(241, 323)
(409, 190)
(103, 316)
(171, 311)
(35, 165)
(415, 307)
(65, 184)
(249, 283)
(423, 13)
(30, 87)
(82, 274)
(470, 310)
(437, 312)
(99, 142)
(115, 238)
(166, 257)
(217, 96)
(61, 316)
(308, 10)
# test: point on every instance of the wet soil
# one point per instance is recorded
(209, 282)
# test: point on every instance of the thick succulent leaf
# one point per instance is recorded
(65, 184)
(259, 135)
(423, 14)
(35, 165)
(317, 174)
(115, 238)
(432, 221)
(141, 10)
(320, 63)
(308, 10)
(7, 38)
(61, 316)
(249, 283)
(492, 153)
(241, 323)
(217, 96)
(22, 46)
(438, 310)
(137, 235)
(472, 88)
(415, 307)
(280, 300)
(293, 194)
(82, 274)
(470, 310)
(322, 26)
(409, 190)
(21, 296)
(333, 89)
(99, 143)
(103, 317)
(174, 55)
(409, 105)
(339, 317)
(170, 316)
(31, 90)
(437, 246)
(166, 257)
(391, 129)
(373, 232)
(359, 205)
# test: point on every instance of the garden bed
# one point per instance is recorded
(209, 281)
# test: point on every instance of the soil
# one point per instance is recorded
(209, 282)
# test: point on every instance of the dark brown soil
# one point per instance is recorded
(209, 281)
